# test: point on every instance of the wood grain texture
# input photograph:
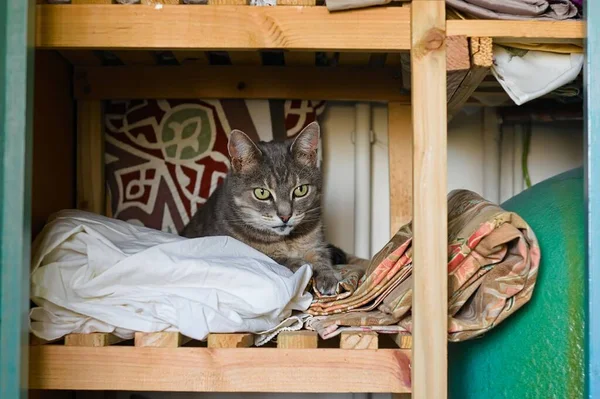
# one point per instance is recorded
(91, 340)
(219, 370)
(481, 55)
(430, 299)
(297, 340)
(361, 340)
(458, 63)
(230, 340)
(162, 339)
(221, 28)
(400, 143)
(90, 157)
(53, 170)
(238, 82)
(403, 341)
(540, 31)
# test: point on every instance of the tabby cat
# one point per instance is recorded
(271, 200)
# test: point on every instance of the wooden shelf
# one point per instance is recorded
(157, 362)
(221, 27)
(535, 31)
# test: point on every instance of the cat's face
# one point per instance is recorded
(276, 186)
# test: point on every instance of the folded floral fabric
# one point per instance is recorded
(527, 75)
(516, 9)
(493, 260)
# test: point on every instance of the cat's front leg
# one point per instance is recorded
(324, 276)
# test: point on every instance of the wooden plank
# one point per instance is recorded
(230, 340)
(297, 340)
(362, 59)
(404, 341)
(592, 196)
(245, 58)
(91, 340)
(361, 340)
(136, 57)
(163, 339)
(238, 82)
(219, 370)
(90, 156)
(458, 63)
(296, 2)
(16, 139)
(229, 2)
(481, 62)
(210, 28)
(400, 147)
(539, 31)
(430, 298)
(300, 58)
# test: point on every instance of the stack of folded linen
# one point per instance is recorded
(493, 259)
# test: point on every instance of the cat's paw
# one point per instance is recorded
(326, 283)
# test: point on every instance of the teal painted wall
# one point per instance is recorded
(539, 351)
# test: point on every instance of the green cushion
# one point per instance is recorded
(537, 352)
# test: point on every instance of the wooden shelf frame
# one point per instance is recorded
(417, 145)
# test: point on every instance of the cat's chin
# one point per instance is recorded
(282, 230)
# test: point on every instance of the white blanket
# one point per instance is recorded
(95, 274)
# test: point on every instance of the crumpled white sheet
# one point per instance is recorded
(534, 74)
(95, 274)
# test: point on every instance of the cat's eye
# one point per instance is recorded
(262, 194)
(301, 191)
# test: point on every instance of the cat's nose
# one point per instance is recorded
(284, 218)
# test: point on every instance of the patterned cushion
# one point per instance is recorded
(164, 158)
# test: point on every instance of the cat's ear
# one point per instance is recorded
(243, 152)
(305, 146)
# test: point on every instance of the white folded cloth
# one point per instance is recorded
(528, 74)
(95, 274)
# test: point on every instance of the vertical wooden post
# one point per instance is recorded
(90, 157)
(592, 195)
(430, 299)
(400, 160)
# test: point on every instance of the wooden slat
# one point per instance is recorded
(403, 341)
(539, 31)
(361, 340)
(220, 370)
(354, 59)
(136, 57)
(430, 299)
(299, 58)
(245, 58)
(400, 161)
(458, 63)
(481, 62)
(238, 82)
(160, 339)
(91, 340)
(229, 2)
(296, 2)
(230, 340)
(212, 28)
(90, 156)
(297, 340)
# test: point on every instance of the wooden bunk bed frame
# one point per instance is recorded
(448, 61)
